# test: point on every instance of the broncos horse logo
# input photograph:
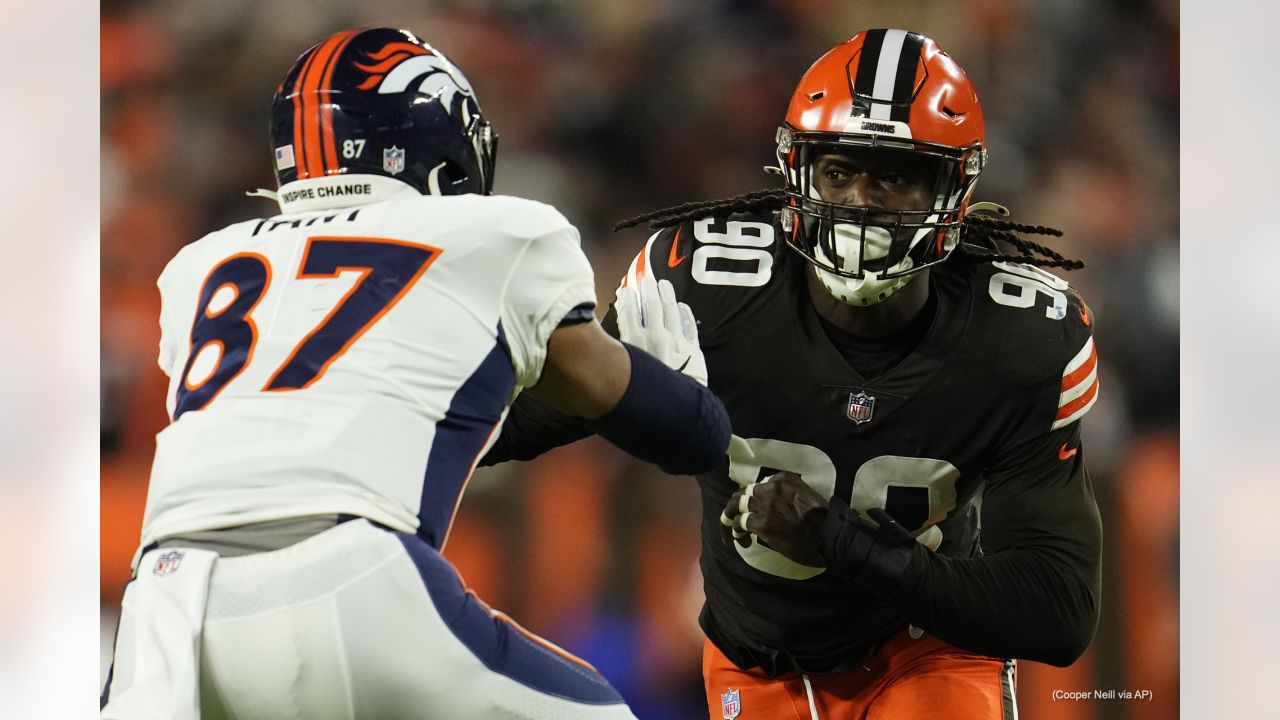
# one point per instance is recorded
(401, 66)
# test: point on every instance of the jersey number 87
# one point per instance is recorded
(224, 324)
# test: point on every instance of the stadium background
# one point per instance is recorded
(607, 108)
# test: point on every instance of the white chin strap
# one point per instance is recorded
(871, 288)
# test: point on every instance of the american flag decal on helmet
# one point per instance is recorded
(1079, 386)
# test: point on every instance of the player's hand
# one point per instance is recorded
(783, 512)
(650, 318)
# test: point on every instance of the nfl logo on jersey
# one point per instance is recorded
(168, 563)
(393, 160)
(730, 704)
(860, 407)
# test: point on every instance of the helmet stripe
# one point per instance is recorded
(310, 89)
(885, 78)
(904, 84)
(886, 72)
(330, 145)
(299, 148)
(864, 79)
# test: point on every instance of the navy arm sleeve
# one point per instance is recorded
(1033, 594)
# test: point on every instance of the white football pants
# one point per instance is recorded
(356, 622)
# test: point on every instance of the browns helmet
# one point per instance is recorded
(883, 91)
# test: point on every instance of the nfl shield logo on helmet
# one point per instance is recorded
(168, 563)
(393, 160)
(860, 407)
(730, 704)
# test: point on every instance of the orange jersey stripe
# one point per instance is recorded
(1074, 378)
(1067, 410)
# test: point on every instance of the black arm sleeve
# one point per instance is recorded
(1033, 595)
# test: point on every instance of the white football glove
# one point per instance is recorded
(650, 318)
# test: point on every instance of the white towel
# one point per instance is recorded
(156, 674)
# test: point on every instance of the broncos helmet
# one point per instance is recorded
(887, 91)
(380, 101)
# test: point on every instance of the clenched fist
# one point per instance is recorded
(783, 512)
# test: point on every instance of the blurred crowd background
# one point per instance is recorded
(608, 108)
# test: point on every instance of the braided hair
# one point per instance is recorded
(980, 235)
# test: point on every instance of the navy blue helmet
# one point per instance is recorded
(380, 101)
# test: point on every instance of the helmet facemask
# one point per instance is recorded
(864, 254)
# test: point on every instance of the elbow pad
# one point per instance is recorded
(667, 419)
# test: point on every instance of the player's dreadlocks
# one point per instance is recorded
(980, 234)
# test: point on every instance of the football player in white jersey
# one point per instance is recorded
(336, 373)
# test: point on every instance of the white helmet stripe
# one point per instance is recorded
(887, 72)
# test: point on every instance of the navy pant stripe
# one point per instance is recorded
(501, 647)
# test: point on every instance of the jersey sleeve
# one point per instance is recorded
(1045, 357)
(551, 278)
(175, 323)
(1033, 594)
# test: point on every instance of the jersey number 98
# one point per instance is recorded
(917, 492)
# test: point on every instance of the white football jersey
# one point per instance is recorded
(358, 359)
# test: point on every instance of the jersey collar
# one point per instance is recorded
(339, 191)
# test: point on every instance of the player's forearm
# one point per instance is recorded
(1018, 604)
(532, 428)
(663, 418)
(1037, 602)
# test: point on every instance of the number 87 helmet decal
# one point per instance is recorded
(895, 94)
(380, 101)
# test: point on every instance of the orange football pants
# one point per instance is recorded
(905, 679)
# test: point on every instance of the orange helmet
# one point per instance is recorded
(890, 91)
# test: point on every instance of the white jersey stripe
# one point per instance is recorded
(1075, 415)
(1079, 388)
(640, 265)
(1080, 358)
